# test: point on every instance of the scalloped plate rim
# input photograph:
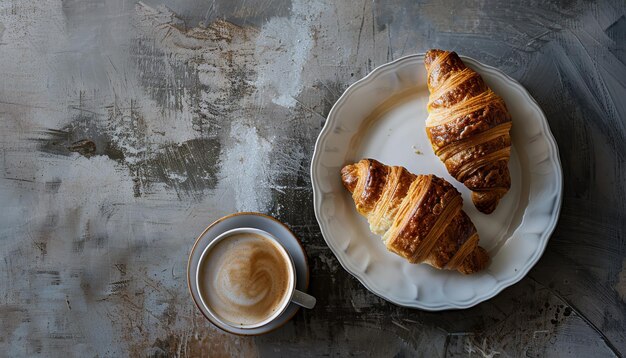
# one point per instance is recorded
(501, 284)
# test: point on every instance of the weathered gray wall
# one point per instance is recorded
(194, 109)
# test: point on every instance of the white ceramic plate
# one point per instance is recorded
(257, 221)
(382, 117)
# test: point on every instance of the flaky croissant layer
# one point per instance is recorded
(419, 216)
(468, 126)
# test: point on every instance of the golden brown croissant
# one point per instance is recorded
(468, 126)
(419, 216)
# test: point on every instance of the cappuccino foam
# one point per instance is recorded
(244, 279)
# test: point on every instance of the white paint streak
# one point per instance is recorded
(482, 349)
(244, 168)
(282, 50)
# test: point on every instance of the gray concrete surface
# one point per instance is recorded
(127, 127)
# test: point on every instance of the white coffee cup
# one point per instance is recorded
(291, 294)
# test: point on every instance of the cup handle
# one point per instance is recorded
(302, 299)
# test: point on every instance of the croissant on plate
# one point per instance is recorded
(468, 126)
(419, 216)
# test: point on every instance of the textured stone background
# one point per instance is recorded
(126, 128)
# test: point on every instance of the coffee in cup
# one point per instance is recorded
(246, 278)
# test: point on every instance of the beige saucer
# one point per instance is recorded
(262, 222)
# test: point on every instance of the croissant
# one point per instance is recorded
(468, 127)
(419, 216)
